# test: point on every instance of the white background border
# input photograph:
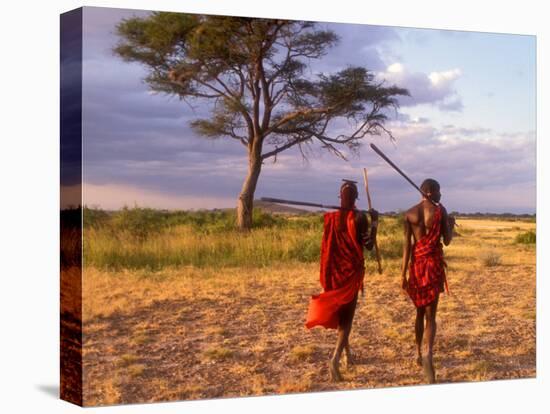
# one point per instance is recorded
(29, 348)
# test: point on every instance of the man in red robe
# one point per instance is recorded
(346, 232)
(425, 224)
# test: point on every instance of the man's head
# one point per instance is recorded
(432, 189)
(348, 194)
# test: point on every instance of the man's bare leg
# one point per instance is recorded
(419, 332)
(349, 356)
(343, 333)
(344, 329)
(334, 363)
(431, 327)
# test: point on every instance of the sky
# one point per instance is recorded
(469, 123)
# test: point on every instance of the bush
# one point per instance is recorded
(529, 237)
(139, 222)
(490, 258)
(92, 217)
(261, 218)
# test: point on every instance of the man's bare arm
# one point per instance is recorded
(406, 251)
(447, 225)
(367, 233)
(373, 229)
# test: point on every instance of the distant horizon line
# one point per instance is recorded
(388, 212)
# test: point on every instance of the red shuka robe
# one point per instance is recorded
(427, 267)
(342, 271)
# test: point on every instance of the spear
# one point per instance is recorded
(396, 168)
(304, 203)
(376, 250)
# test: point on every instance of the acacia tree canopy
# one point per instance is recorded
(254, 72)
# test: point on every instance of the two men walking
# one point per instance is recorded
(346, 232)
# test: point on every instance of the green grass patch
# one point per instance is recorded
(529, 237)
(141, 238)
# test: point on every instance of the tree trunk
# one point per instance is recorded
(245, 202)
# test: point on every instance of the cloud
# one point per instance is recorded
(436, 88)
(360, 44)
(468, 132)
(470, 159)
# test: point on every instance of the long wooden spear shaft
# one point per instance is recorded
(376, 250)
(396, 168)
(304, 203)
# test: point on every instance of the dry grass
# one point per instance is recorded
(490, 258)
(191, 333)
(218, 353)
(136, 370)
(110, 391)
(302, 353)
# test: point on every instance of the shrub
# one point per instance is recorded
(529, 237)
(139, 222)
(92, 217)
(490, 258)
(261, 218)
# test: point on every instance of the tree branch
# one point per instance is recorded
(293, 115)
(283, 147)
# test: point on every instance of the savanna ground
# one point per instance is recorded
(179, 306)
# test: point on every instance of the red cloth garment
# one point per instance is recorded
(342, 271)
(427, 266)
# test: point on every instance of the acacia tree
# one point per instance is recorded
(253, 71)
